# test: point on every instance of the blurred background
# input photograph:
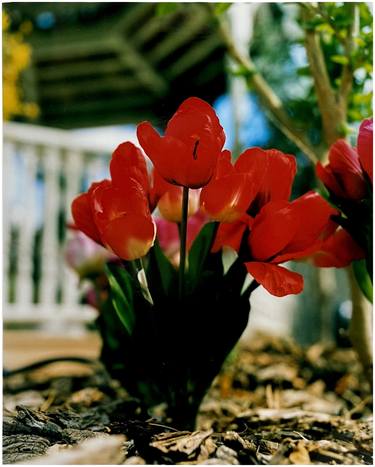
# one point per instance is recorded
(78, 77)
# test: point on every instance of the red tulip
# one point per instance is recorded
(343, 176)
(258, 176)
(275, 171)
(188, 152)
(168, 199)
(229, 193)
(284, 231)
(269, 173)
(117, 217)
(338, 251)
(365, 146)
(83, 215)
(123, 218)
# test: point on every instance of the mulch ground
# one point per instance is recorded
(274, 403)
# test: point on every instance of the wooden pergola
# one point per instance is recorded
(110, 63)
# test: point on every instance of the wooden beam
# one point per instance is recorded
(58, 71)
(194, 22)
(61, 50)
(66, 90)
(143, 70)
(132, 16)
(131, 101)
(152, 27)
(114, 117)
(195, 54)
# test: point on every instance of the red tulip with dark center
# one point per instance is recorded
(188, 152)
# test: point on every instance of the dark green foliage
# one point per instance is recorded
(363, 278)
(171, 351)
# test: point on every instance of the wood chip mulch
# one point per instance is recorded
(273, 403)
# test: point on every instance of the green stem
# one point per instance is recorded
(183, 231)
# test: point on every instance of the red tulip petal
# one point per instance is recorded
(150, 140)
(188, 153)
(195, 116)
(313, 214)
(227, 199)
(84, 218)
(277, 280)
(229, 235)
(274, 227)
(274, 170)
(224, 165)
(128, 162)
(338, 251)
(110, 202)
(130, 236)
(365, 146)
(325, 174)
(345, 166)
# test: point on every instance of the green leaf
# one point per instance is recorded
(325, 28)
(221, 8)
(166, 8)
(304, 71)
(122, 292)
(242, 71)
(342, 59)
(200, 249)
(161, 275)
(363, 278)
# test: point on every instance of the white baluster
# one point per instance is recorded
(26, 223)
(73, 168)
(8, 153)
(50, 246)
(95, 165)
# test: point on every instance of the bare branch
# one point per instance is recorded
(268, 97)
(347, 72)
(331, 112)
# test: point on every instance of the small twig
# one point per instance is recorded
(163, 426)
(359, 407)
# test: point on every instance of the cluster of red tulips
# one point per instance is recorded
(249, 198)
(348, 177)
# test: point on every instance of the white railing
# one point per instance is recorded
(43, 169)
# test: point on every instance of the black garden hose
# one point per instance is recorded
(34, 366)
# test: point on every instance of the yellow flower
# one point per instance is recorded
(16, 58)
